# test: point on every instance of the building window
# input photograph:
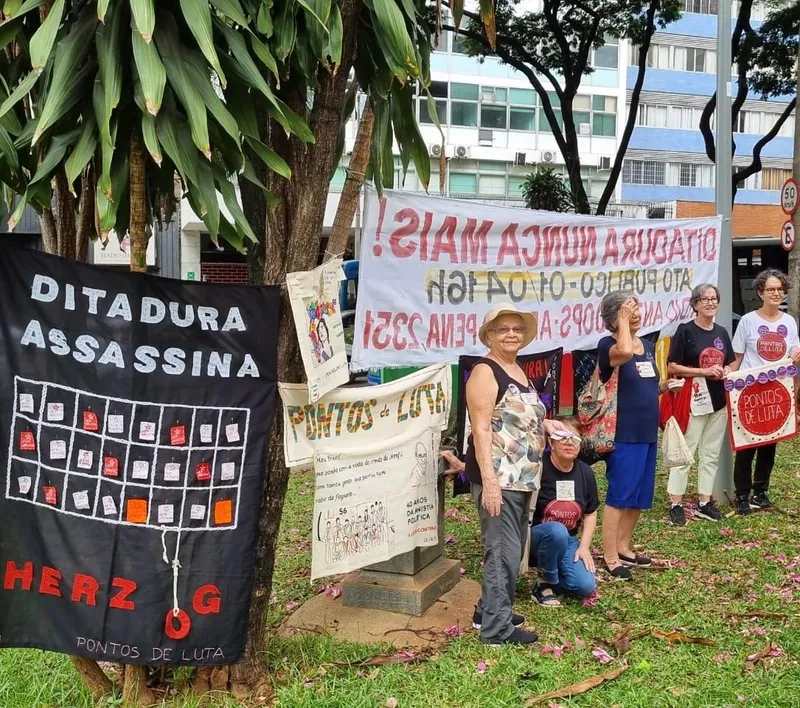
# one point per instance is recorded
(652, 115)
(607, 56)
(515, 184)
(643, 172)
(701, 7)
(688, 176)
(493, 117)
(662, 56)
(748, 122)
(684, 118)
(337, 181)
(458, 43)
(522, 119)
(463, 183)
(773, 178)
(544, 124)
(604, 116)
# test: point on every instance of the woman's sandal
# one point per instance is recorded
(549, 600)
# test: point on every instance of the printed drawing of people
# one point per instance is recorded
(328, 543)
(348, 537)
(338, 539)
(420, 474)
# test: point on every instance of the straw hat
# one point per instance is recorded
(508, 309)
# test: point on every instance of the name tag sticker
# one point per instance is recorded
(565, 490)
(645, 369)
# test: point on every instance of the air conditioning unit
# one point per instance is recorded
(605, 164)
(585, 129)
(548, 156)
(435, 150)
(519, 159)
(462, 151)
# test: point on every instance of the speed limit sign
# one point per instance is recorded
(788, 236)
(790, 196)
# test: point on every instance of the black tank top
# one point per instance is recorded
(517, 434)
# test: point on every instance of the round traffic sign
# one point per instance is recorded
(788, 236)
(790, 196)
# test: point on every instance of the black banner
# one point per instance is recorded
(543, 371)
(134, 413)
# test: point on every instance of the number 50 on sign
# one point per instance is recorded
(789, 196)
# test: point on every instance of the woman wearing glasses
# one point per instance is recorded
(504, 464)
(763, 337)
(701, 352)
(631, 466)
(567, 503)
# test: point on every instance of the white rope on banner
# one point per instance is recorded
(176, 566)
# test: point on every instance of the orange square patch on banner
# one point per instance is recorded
(223, 512)
(137, 511)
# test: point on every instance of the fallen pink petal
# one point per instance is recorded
(602, 656)
(406, 654)
(333, 592)
(481, 667)
(454, 631)
(450, 539)
(776, 651)
(463, 571)
(591, 600)
(724, 656)
(292, 606)
(451, 513)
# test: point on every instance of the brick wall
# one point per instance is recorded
(749, 220)
(234, 273)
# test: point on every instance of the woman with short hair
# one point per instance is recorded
(631, 466)
(701, 352)
(763, 337)
(503, 465)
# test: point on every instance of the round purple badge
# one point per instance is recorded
(718, 344)
(762, 377)
(739, 385)
(791, 370)
(772, 374)
(750, 380)
(728, 385)
(763, 329)
(782, 330)
(782, 371)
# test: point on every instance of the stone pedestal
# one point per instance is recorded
(408, 583)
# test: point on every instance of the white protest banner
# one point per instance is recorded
(375, 503)
(360, 416)
(430, 268)
(762, 404)
(317, 313)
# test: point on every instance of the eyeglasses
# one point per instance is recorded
(565, 436)
(709, 300)
(774, 291)
(502, 331)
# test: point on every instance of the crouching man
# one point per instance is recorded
(567, 501)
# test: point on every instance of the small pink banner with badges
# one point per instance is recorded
(762, 405)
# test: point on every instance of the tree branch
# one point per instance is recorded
(633, 109)
(742, 22)
(550, 15)
(583, 53)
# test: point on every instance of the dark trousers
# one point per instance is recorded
(758, 481)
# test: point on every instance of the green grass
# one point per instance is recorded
(718, 568)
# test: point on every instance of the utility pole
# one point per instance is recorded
(794, 254)
(724, 169)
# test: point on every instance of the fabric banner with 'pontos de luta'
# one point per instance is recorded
(134, 413)
(358, 417)
(762, 404)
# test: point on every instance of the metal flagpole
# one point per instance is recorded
(724, 167)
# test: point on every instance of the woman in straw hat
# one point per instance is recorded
(503, 464)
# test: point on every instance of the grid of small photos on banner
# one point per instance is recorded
(126, 462)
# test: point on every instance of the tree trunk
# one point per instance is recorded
(294, 228)
(138, 218)
(134, 690)
(351, 192)
(254, 205)
(572, 159)
(68, 223)
(93, 677)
